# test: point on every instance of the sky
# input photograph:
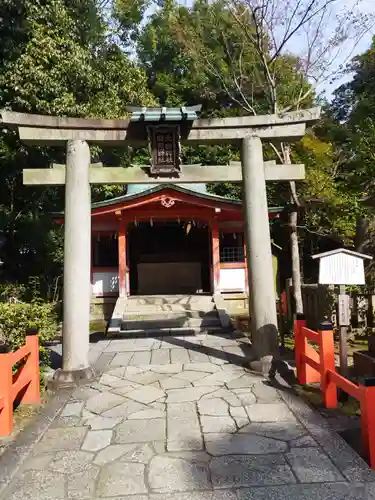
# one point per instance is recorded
(368, 7)
(349, 50)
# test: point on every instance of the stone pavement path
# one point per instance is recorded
(182, 419)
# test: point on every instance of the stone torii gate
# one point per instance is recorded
(75, 134)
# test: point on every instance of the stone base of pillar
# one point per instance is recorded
(63, 378)
(275, 368)
(263, 365)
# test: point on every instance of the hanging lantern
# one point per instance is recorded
(188, 228)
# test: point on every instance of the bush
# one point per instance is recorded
(11, 292)
(16, 319)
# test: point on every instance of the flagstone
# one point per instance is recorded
(97, 440)
(174, 383)
(103, 402)
(112, 453)
(147, 414)
(141, 431)
(101, 423)
(213, 407)
(121, 479)
(188, 394)
(169, 474)
(124, 410)
(244, 444)
(202, 367)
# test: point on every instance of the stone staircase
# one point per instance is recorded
(161, 315)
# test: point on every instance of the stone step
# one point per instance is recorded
(164, 332)
(167, 308)
(170, 323)
(182, 300)
(147, 315)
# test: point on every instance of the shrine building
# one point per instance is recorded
(168, 239)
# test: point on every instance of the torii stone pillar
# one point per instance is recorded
(77, 256)
(262, 303)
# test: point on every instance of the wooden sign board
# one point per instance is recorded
(341, 267)
(164, 143)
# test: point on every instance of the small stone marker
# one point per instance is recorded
(342, 267)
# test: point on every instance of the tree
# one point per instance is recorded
(353, 133)
(288, 77)
(55, 58)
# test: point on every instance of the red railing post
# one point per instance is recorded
(32, 392)
(300, 342)
(6, 380)
(327, 362)
(367, 401)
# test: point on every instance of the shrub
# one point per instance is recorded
(11, 292)
(16, 319)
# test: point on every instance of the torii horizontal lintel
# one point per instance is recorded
(140, 175)
(14, 119)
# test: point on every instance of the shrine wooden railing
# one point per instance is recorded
(319, 366)
(23, 385)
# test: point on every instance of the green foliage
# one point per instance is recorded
(331, 208)
(354, 122)
(17, 318)
(64, 66)
(191, 52)
(55, 58)
(11, 292)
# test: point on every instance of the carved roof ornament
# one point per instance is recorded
(167, 201)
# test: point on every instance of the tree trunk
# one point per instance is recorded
(294, 247)
(296, 267)
(361, 235)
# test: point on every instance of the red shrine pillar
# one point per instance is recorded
(215, 271)
(122, 259)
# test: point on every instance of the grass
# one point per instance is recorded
(98, 326)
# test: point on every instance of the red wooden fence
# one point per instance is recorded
(319, 366)
(24, 382)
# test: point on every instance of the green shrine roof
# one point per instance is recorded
(141, 188)
(188, 113)
(199, 190)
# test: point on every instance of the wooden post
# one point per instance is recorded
(6, 381)
(215, 237)
(246, 271)
(288, 290)
(122, 267)
(300, 348)
(367, 386)
(32, 393)
(344, 321)
(327, 362)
